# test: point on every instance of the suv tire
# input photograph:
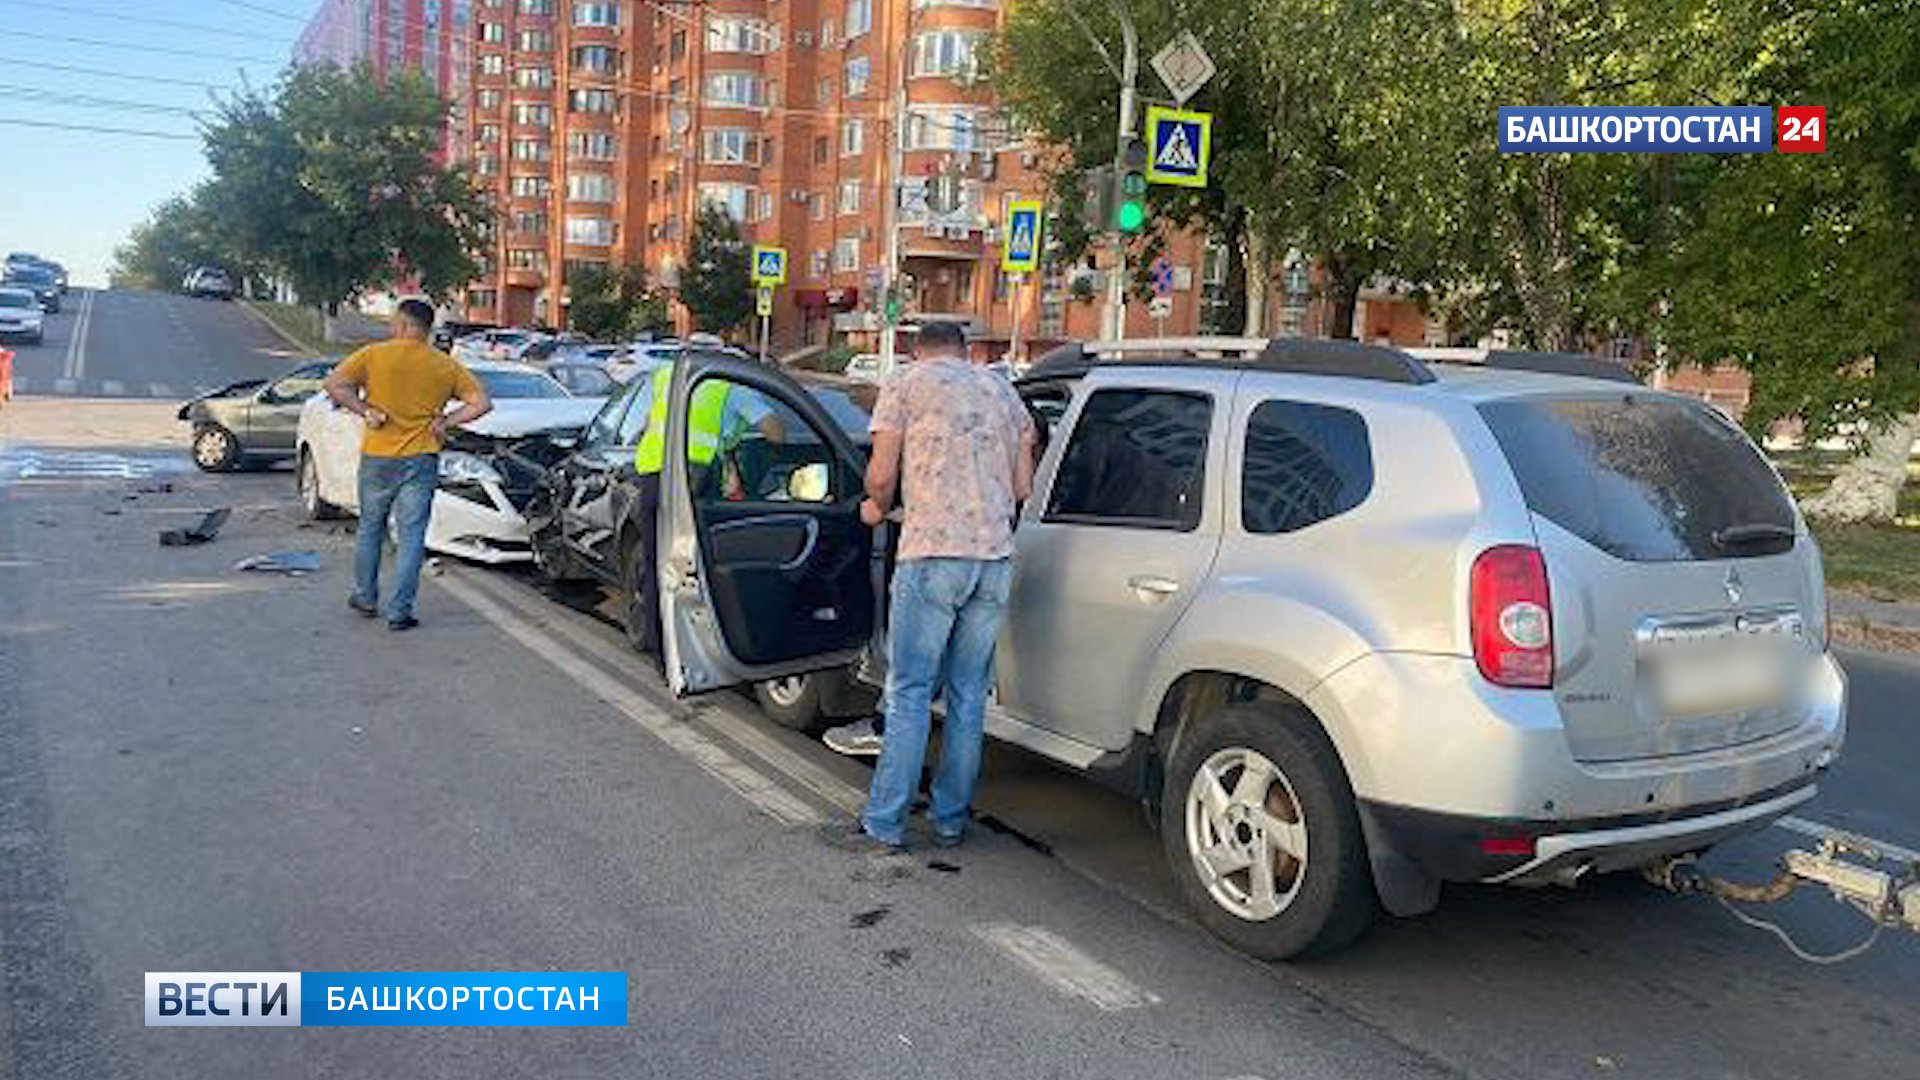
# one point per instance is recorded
(215, 449)
(792, 702)
(1321, 896)
(643, 630)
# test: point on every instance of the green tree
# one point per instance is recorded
(614, 304)
(333, 179)
(1805, 268)
(182, 233)
(716, 284)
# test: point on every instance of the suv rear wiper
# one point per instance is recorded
(1734, 535)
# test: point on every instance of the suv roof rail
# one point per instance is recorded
(1582, 365)
(1298, 356)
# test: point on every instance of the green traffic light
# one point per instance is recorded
(1133, 214)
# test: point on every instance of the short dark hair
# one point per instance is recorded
(943, 335)
(419, 313)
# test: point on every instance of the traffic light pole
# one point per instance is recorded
(1115, 315)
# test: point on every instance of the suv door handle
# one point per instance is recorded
(1150, 587)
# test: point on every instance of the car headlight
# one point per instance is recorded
(460, 467)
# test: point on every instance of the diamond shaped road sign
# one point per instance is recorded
(1184, 66)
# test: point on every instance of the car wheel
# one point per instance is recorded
(792, 702)
(317, 508)
(1261, 832)
(215, 449)
(643, 628)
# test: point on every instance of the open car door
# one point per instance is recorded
(765, 569)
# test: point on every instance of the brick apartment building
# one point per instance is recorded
(600, 127)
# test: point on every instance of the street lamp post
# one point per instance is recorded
(1116, 313)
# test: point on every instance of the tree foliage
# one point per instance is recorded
(716, 285)
(332, 179)
(182, 233)
(614, 304)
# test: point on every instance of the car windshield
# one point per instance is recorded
(14, 298)
(520, 384)
(31, 277)
(584, 380)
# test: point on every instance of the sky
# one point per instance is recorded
(73, 195)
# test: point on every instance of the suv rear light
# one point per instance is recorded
(1511, 617)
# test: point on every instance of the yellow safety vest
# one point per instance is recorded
(703, 427)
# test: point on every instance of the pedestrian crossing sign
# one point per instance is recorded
(769, 265)
(1021, 251)
(1178, 146)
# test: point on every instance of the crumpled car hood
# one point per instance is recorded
(513, 418)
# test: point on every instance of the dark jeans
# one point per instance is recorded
(402, 488)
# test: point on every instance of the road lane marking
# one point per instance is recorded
(1055, 961)
(739, 729)
(76, 363)
(1820, 832)
(770, 798)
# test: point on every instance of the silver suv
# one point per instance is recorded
(1354, 622)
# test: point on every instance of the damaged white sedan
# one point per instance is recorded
(489, 469)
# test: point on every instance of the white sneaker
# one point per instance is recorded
(858, 739)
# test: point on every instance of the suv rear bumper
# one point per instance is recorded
(1446, 847)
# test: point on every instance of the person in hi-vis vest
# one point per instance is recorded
(723, 416)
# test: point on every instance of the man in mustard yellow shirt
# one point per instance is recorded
(401, 388)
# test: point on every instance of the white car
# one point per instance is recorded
(490, 345)
(21, 317)
(488, 471)
(640, 360)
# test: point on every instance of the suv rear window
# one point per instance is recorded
(1644, 478)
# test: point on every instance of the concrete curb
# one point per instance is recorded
(1880, 637)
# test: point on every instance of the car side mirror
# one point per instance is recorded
(809, 483)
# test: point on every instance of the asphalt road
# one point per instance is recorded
(120, 344)
(206, 770)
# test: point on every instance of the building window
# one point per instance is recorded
(590, 230)
(825, 94)
(736, 88)
(493, 33)
(859, 17)
(590, 187)
(486, 165)
(730, 146)
(593, 101)
(531, 150)
(817, 206)
(531, 187)
(536, 7)
(529, 222)
(531, 115)
(489, 134)
(822, 150)
(536, 41)
(859, 73)
(593, 145)
(846, 254)
(955, 129)
(596, 14)
(817, 264)
(853, 137)
(677, 49)
(828, 33)
(951, 53)
(526, 259)
(736, 199)
(488, 99)
(533, 78)
(493, 64)
(597, 59)
(850, 196)
(738, 34)
(480, 298)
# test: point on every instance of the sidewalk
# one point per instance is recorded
(1875, 624)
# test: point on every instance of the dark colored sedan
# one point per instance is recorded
(40, 281)
(251, 423)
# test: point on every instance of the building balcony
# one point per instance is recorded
(526, 278)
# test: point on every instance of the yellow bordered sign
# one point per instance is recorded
(1179, 145)
(1020, 250)
(769, 265)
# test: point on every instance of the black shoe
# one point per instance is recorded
(853, 836)
(365, 609)
(404, 622)
(948, 840)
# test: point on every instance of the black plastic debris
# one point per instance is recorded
(294, 563)
(206, 530)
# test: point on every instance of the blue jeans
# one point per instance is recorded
(402, 487)
(945, 617)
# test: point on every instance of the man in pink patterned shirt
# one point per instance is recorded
(955, 444)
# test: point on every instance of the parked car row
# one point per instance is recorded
(208, 283)
(30, 290)
(1352, 623)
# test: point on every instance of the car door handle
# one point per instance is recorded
(1151, 587)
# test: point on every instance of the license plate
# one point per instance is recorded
(1714, 682)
